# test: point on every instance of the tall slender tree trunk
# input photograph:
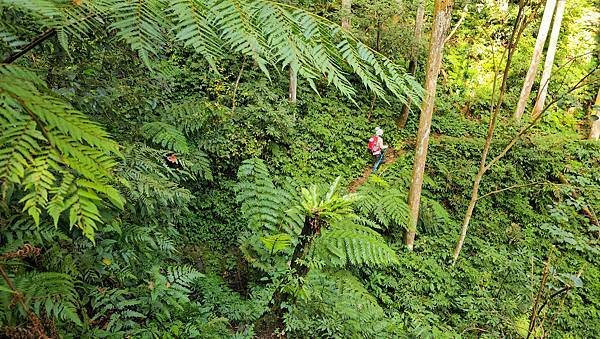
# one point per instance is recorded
(595, 130)
(412, 66)
(293, 84)
(544, 82)
(346, 11)
(518, 28)
(535, 59)
(442, 13)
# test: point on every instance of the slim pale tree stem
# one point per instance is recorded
(541, 98)
(346, 11)
(482, 170)
(412, 66)
(595, 116)
(236, 85)
(442, 14)
(293, 84)
(535, 59)
(518, 28)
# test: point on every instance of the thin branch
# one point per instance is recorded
(237, 82)
(462, 17)
(512, 187)
(570, 62)
(36, 41)
(538, 298)
(515, 36)
(517, 137)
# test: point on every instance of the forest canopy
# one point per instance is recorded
(300, 169)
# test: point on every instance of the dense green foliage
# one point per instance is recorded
(100, 237)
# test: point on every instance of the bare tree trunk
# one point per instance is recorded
(442, 13)
(595, 130)
(412, 66)
(293, 84)
(535, 59)
(544, 82)
(518, 28)
(346, 10)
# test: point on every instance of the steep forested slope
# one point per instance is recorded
(156, 180)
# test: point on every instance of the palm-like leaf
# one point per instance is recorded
(46, 144)
(273, 34)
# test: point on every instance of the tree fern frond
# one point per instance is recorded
(166, 135)
(194, 28)
(191, 116)
(266, 207)
(277, 242)
(433, 217)
(139, 23)
(386, 205)
(9, 36)
(347, 243)
(24, 230)
(272, 33)
(47, 140)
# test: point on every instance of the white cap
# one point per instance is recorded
(378, 131)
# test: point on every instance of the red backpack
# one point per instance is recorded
(373, 144)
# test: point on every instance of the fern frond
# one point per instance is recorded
(46, 141)
(24, 230)
(166, 135)
(388, 206)
(347, 243)
(139, 23)
(191, 116)
(339, 298)
(266, 207)
(272, 33)
(277, 242)
(433, 217)
(196, 29)
(47, 293)
(182, 276)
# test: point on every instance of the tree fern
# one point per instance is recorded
(62, 161)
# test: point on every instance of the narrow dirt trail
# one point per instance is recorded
(390, 157)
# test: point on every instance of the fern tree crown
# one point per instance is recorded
(275, 35)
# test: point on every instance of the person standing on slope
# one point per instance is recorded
(377, 148)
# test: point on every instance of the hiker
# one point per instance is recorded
(377, 148)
